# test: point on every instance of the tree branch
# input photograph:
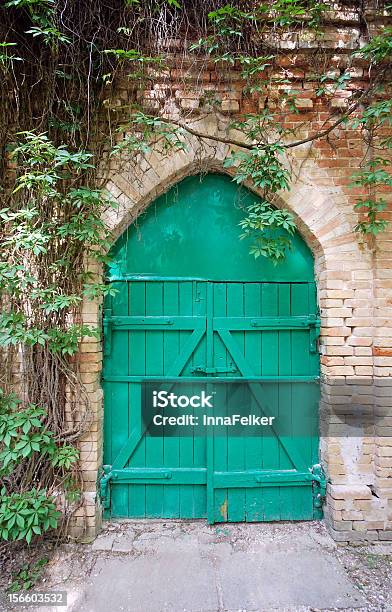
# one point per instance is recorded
(290, 145)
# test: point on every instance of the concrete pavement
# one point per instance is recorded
(156, 566)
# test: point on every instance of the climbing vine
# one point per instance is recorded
(51, 224)
(60, 64)
(245, 37)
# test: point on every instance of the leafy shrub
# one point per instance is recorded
(27, 576)
(24, 514)
(24, 438)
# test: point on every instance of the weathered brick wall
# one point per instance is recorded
(354, 279)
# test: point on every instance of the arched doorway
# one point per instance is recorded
(193, 307)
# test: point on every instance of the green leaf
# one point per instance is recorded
(20, 521)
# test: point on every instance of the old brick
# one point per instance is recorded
(338, 350)
(89, 377)
(367, 525)
(90, 347)
(332, 341)
(328, 321)
(354, 341)
(336, 504)
(336, 331)
(352, 515)
(383, 361)
(331, 361)
(358, 361)
(382, 352)
(364, 370)
(90, 367)
(341, 370)
(339, 312)
(303, 104)
(349, 492)
(362, 350)
(363, 505)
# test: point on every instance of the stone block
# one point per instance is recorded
(349, 492)
(230, 106)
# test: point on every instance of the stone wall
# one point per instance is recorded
(354, 280)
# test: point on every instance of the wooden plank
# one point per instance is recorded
(192, 450)
(137, 365)
(210, 441)
(220, 442)
(185, 308)
(196, 447)
(171, 444)
(254, 502)
(270, 366)
(287, 495)
(154, 365)
(236, 445)
(107, 413)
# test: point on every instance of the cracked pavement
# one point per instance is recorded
(154, 566)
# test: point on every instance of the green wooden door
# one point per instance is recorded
(215, 328)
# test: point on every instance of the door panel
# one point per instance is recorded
(209, 331)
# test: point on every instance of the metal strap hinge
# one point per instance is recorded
(104, 487)
(319, 485)
(314, 333)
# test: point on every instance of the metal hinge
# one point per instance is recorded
(104, 486)
(314, 332)
(319, 485)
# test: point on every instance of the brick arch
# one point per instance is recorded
(323, 214)
(345, 285)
